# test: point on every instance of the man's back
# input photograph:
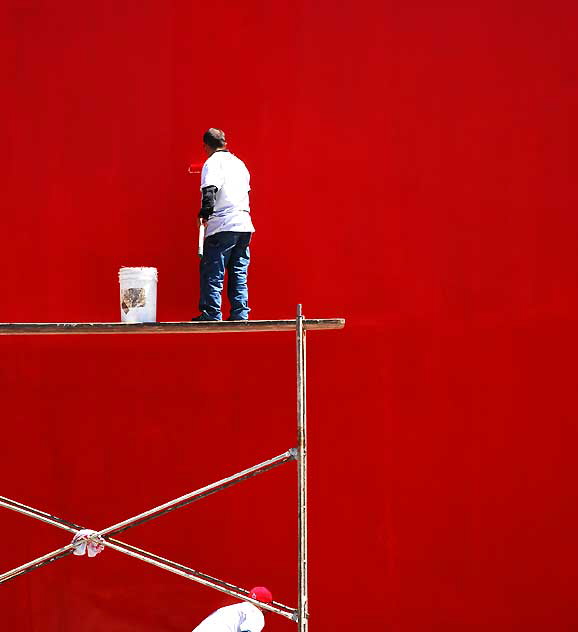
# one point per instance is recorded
(240, 617)
(230, 176)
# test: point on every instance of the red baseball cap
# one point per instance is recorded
(261, 594)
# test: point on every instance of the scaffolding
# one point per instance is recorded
(104, 537)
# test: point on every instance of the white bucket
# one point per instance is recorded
(138, 295)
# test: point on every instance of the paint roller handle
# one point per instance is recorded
(202, 224)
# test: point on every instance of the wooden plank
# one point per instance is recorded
(214, 327)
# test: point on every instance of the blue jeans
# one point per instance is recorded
(222, 251)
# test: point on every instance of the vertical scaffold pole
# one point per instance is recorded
(302, 471)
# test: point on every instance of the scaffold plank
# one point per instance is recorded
(188, 327)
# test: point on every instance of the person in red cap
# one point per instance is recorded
(240, 617)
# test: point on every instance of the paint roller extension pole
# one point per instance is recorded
(196, 168)
(201, 238)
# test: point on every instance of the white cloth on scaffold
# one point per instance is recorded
(88, 541)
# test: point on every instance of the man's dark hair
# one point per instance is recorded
(214, 138)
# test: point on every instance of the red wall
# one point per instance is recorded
(411, 169)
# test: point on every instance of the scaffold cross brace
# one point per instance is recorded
(90, 542)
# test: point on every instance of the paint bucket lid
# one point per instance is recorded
(140, 273)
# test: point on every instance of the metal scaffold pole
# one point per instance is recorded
(302, 471)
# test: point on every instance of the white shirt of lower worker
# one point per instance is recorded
(240, 617)
(231, 177)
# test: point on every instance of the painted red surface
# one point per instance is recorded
(413, 171)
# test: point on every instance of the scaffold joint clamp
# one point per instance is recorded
(88, 541)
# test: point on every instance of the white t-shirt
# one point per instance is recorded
(240, 617)
(231, 177)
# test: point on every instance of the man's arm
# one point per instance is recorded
(208, 197)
